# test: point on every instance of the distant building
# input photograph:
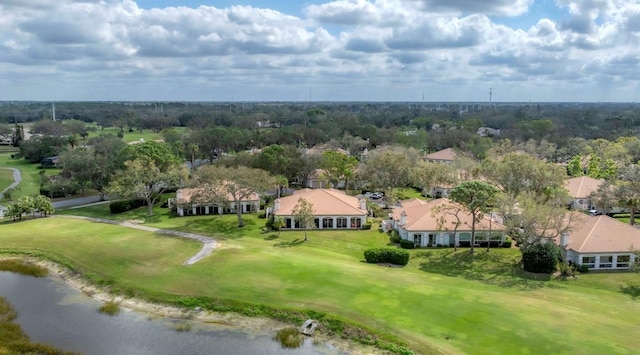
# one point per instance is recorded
(488, 132)
(446, 156)
(579, 189)
(50, 162)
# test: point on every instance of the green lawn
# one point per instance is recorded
(443, 301)
(30, 184)
(6, 178)
(132, 136)
(407, 193)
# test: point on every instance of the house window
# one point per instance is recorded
(589, 261)
(606, 262)
(481, 237)
(342, 222)
(623, 261)
(288, 223)
(327, 222)
(316, 222)
(417, 240)
(356, 223)
(464, 239)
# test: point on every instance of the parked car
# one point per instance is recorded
(594, 213)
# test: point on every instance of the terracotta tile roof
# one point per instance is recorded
(583, 186)
(422, 217)
(326, 202)
(413, 202)
(445, 155)
(186, 194)
(603, 234)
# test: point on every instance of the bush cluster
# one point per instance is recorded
(367, 225)
(395, 237)
(60, 190)
(541, 257)
(386, 255)
(507, 243)
(125, 205)
(407, 244)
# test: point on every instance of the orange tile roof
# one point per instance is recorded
(583, 186)
(326, 202)
(423, 217)
(603, 234)
(446, 155)
(187, 193)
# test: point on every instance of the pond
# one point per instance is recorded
(52, 312)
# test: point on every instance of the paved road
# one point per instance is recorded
(77, 202)
(208, 243)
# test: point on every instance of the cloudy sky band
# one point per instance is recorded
(343, 50)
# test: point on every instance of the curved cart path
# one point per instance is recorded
(208, 243)
(17, 178)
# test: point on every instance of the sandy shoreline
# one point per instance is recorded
(229, 319)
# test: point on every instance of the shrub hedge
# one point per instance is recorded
(386, 255)
(507, 243)
(541, 257)
(407, 244)
(125, 205)
(395, 237)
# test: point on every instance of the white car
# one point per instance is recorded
(594, 213)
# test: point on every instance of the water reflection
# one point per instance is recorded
(51, 312)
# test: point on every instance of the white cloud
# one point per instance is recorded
(349, 48)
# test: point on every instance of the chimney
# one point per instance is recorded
(178, 195)
(276, 205)
(363, 204)
(564, 239)
(403, 218)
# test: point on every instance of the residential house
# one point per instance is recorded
(579, 189)
(601, 243)
(186, 207)
(488, 132)
(446, 156)
(333, 209)
(433, 223)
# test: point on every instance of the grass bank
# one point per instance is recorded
(441, 302)
(13, 340)
(6, 178)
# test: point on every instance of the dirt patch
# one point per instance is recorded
(389, 265)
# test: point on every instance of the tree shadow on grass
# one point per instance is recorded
(489, 268)
(271, 237)
(290, 244)
(632, 290)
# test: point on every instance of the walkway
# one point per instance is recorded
(17, 178)
(208, 243)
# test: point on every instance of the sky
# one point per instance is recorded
(342, 50)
